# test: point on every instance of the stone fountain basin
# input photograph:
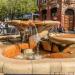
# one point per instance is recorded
(14, 52)
(40, 66)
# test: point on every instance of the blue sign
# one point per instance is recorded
(27, 16)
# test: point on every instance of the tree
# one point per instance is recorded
(12, 8)
(3, 9)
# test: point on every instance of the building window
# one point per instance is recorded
(69, 1)
(44, 13)
(54, 13)
(44, 1)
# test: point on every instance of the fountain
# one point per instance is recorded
(30, 42)
(20, 58)
(25, 28)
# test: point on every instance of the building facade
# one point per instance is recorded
(60, 10)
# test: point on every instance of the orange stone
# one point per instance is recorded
(14, 50)
(59, 55)
(24, 46)
(11, 51)
(32, 43)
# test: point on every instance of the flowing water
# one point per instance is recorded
(37, 39)
(23, 38)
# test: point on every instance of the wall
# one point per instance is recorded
(64, 8)
(61, 10)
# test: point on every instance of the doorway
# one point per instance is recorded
(69, 19)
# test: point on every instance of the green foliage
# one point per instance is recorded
(12, 8)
